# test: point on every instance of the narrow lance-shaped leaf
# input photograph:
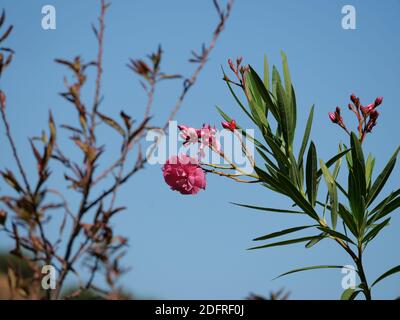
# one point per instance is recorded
(332, 190)
(311, 174)
(382, 178)
(358, 167)
(306, 136)
(387, 274)
(386, 209)
(285, 115)
(295, 195)
(283, 243)
(348, 219)
(282, 232)
(385, 201)
(375, 230)
(266, 73)
(336, 234)
(333, 160)
(264, 93)
(314, 241)
(268, 209)
(369, 168)
(309, 268)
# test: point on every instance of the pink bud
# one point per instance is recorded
(231, 65)
(367, 109)
(229, 125)
(338, 111)
(353, 98)
(332, 116)
(378, 101)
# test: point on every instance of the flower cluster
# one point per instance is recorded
(183, 173)
(366, 115)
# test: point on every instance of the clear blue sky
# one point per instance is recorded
(194, 247)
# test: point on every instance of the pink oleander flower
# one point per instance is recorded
(189, 134)
(183, 174)
(206, 137)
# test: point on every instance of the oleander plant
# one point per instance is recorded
(346, 212)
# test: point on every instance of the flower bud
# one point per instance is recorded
(378, 101)
(332, 116)
(353, 98)
(229, 125)
(367, 109)
(230, 62)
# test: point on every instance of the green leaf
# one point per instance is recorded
(266, 73)
(375, 230)
(385, 201)
(333, 160)
(356, 200)
(283, 243)
(259, 87)
(311, 174)
(276, 78)
(309, 268)
(306, 136)
(349, 294)
(382, 178)
(387, 274)
(369, 168)
(386, 209)
(296, 195)
(290, 98)
(268, 209)
(332, 190)
(277, 152)
(348, 219)
(284, 114)
(286, 74)
(282, 232)
(336, 234)
(314, 241)
(358, 165)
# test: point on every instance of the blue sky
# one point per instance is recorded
(194, 247)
